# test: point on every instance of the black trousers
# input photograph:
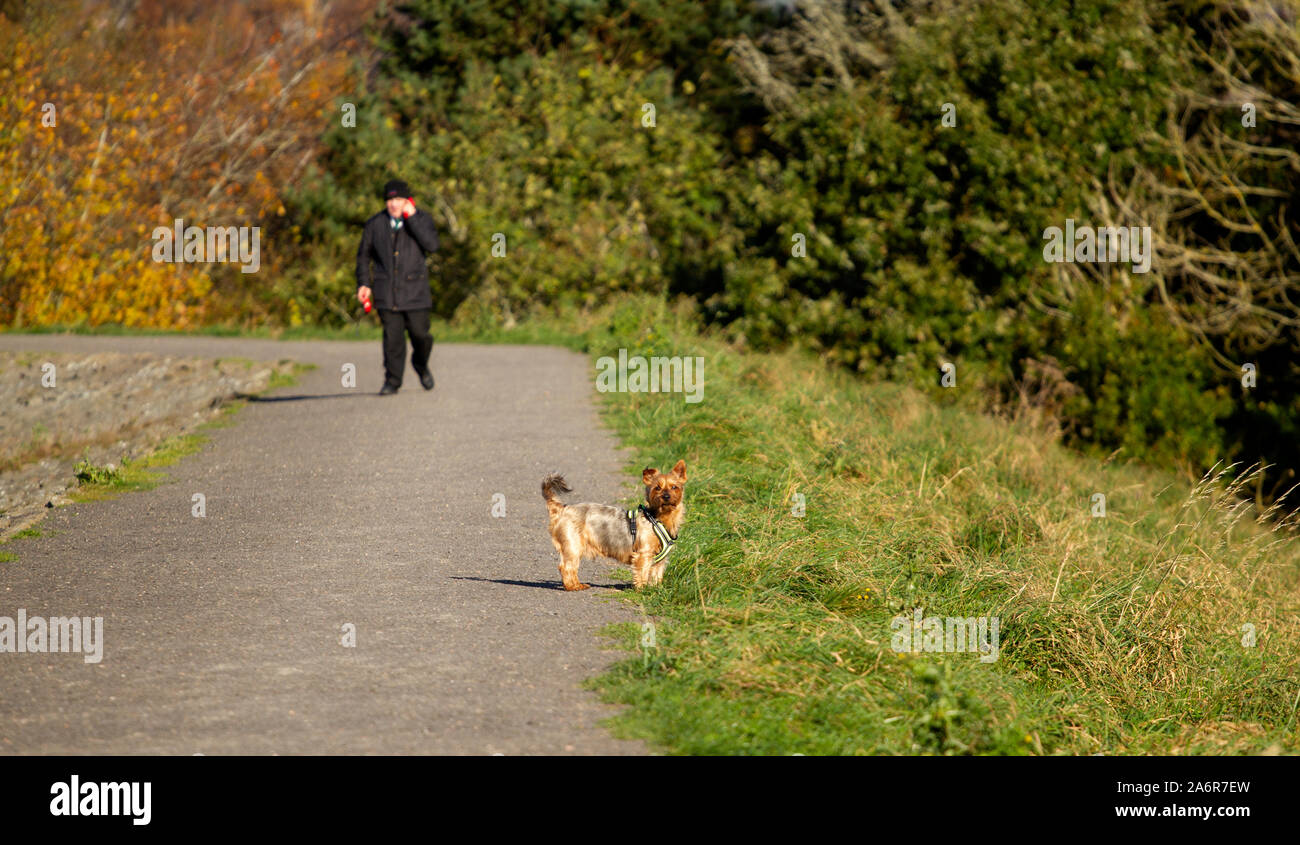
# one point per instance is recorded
(398, 324)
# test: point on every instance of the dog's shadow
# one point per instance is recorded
(540, 585)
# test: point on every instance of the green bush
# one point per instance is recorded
(923, 241)
(88, 473)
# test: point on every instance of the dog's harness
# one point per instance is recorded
(666, 540)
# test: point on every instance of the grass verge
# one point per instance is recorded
(366, 329)
(825, 513)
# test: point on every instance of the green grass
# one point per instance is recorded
(1119, 635)
(31, 532)
(280, 378)
(101, 482)
(365, 330)
(535, 332)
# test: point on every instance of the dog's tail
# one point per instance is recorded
(552, 484)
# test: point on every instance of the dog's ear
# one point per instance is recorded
(679, 470)
(649, 475)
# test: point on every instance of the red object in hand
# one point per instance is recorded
(410, 202)
(367, 306)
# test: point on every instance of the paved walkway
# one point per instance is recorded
(327, 506)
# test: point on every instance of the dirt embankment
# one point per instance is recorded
(57, 409)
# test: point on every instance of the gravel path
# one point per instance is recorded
(104, 408)
(327, 507)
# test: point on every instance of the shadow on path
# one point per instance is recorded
(541, 585)
(298, 397)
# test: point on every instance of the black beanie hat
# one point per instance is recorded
(396, 188)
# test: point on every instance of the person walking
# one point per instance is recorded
(391, 274)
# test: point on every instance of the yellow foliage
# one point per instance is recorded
(79, 201)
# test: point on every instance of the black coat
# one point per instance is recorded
(392, 264)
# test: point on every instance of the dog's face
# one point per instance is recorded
(662, 491)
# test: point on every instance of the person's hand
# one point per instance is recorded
(363, 294)
(409, 208)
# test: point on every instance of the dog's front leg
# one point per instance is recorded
(641, 569)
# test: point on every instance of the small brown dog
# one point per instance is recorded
(636, 538)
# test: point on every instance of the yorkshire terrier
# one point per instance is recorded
(641, 539)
